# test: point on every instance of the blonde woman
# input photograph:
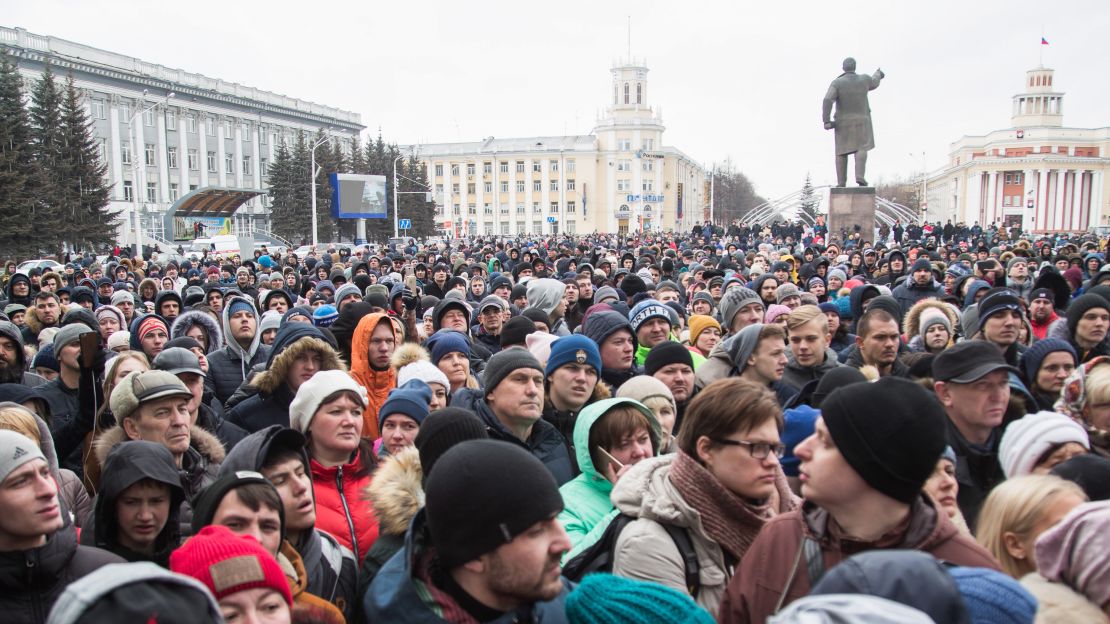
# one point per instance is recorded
(1017, 512)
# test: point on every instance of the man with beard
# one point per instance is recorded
(47, 312)
(19, 290)
(1042, 312)
(878, 339)
(13, 361)
(485, 548)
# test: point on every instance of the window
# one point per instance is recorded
(191, 123)
(554, 185)
(504, 186)
(439, 170)
(503, 208)
(624, 145)
(554, 207)
(229, 163)
(570, 184)
(151, 192)
(262, 165)
(570, 227)
(125, 153)
(488, 227)
(504, 166)
(536, 207)
(537, 167)
(125, 112)
(1018, 177)
(194, 160)
(212, 162)
(487, 187)
(439, 189)
(1009, 179)
(520, 208)
(173, 191)
(649, 144)
(537, 227)
(148, 117)
(647, 186)
(520, 228)
(455, 188)
(470, 188)
(472, 208)
(128, 191)
(554, 166)
(454, 170)
(470, 169)
(649, 165)
(149, 155)
(171, 157)
(570, 206)
(520, 166)
(487, 167)
(487, 208)
(171, 120)
(262, 136)
(210, 126)
(458, 209)
(246, 165)
(626, 93)
(639, 93)
(229, 132)
(570, 166)
(98, 109)
(193, 187)
(504, 229)
(246, 127)
(537, 185)
(623, 186)
(100, 151)
(624, 165)
(520, 186)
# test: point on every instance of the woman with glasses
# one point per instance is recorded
(721, 486)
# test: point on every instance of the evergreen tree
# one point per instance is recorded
(21, 177)
(808, 202)
(85, 221)
(287, 219)
(47, 138)
(302, 189)
(417, 208)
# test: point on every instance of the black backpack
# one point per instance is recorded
(599, 556)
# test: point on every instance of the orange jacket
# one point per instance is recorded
(378, 383)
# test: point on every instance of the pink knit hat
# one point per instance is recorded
(1074, 552)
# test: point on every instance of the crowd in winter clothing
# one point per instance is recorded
(751, 424)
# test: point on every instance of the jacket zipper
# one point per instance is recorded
(346, 509)
(36, 606)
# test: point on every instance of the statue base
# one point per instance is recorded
(852, 209)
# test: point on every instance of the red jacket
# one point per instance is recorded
(342, 509)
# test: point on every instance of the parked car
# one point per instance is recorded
(43, 264)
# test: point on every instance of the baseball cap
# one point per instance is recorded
(177, 360)
(493, 301)
(969, 361)
(1042, 293)
(142, 386)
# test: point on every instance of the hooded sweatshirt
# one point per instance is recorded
(228, 367)
(378, 383)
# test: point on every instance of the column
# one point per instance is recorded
(511, 218)
(1097, 182)
(1028, 215)
(163, 168)
(183, 153)
(221, 144)
(973, 201)
(1058, 206)
(1077, 201)
(237, 161)
(256, 161)
(545, 195)
(202, 148)
(1042, 207)
(114, 144)
(989, 206)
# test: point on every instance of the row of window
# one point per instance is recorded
(1015, 177)
(537, 228)
(625, 186)
(487, 167)
(537, 186)
(504, 208)
(149, 158)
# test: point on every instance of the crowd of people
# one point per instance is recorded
(742, 424)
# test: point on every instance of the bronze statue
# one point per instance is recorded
(853, 119)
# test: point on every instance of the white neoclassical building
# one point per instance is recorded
(1037, 173)
(619, 178)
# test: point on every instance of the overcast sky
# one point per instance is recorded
(740, 80)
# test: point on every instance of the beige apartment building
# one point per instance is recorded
(1038, 173)
(619, 178)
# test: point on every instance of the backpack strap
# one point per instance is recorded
(689, 557)
(334, 553)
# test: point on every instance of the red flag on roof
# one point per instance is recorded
(1044, 41)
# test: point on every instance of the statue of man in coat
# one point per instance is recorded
(852, 122)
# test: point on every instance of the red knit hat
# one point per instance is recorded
(227, 563)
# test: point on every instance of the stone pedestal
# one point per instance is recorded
(851, 209)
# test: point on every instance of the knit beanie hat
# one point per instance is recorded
(483, 494)
(1001, 299)
(271, 319)
(1090, 472)
(443, 429)
(424, 371)
(933, 316)
(411, 400)
(1080, 306)
(644, 387)
(313, 392)
(515, 330)
(666, 353)
(599, 325)
(607, 599)
(45, 359)
(240, 305)
(1034, 356)
(346, 290)
(571, 350)
(505, 362)
(890, 432)
(122, 296)
(141, 591)
(843, 608)
(836, 378)
(1074, 552)
(633, 285)
(446, 341)
(112, 311)
(325, 315)
(605, 293)
(227, 563)
(16, 449)
(837, 273)
(798, 424)
(647, 309)
(1027, 440)
(119, 339)
(740, 346)
(72, 333)
(732, 302)
(921, 264)
(991, 597)
(786, 290)
(699, 323)
(539, 345)
(774, 311)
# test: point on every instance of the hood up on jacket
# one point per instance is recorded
(126, 465)
(588, 417)
(911, 324)
(378, 383)
(245, 355)
(96, 590)
(397, 491)
(292, 341)
(187, 319)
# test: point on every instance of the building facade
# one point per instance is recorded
(164, 132)
(1037, 174)
(619, 178)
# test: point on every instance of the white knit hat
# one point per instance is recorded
(424, 371)
(1027, 439)
(313, 392)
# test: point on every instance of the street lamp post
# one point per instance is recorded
(313, 171)
(136, 221)
(396, 206)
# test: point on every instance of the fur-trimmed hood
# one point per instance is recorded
(911, 325)
(203, 442)
(269, 380)
(31, 318)
(396, 491)
(408, 353)
(188, 318)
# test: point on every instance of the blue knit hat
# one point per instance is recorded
(608, 599)
(240, 305)
(325, 315)
(798, 424)
(1033, 357)
(573, 349)
(991, 597)
(647, 309)
(411, 399)
(45, 359)
(443, 342)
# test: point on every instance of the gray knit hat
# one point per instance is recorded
(120, 296)
(741, 346)
(606, 293)
(16, 449)
(69, 333)
(734, 300)
(786, 290)
(505, 362)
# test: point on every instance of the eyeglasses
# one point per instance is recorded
(758, 450)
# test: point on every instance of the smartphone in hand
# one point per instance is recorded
(617, 465)
(90, 346)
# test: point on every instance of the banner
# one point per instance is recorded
(357, 196)
(192, 228)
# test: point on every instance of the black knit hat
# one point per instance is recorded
(665, 353)
(505, 362)
(516, 330)
(1080, 306)
(484, 493)
(633, 285)
(443, 429)
(890, 432)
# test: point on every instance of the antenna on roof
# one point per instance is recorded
(630, 38)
